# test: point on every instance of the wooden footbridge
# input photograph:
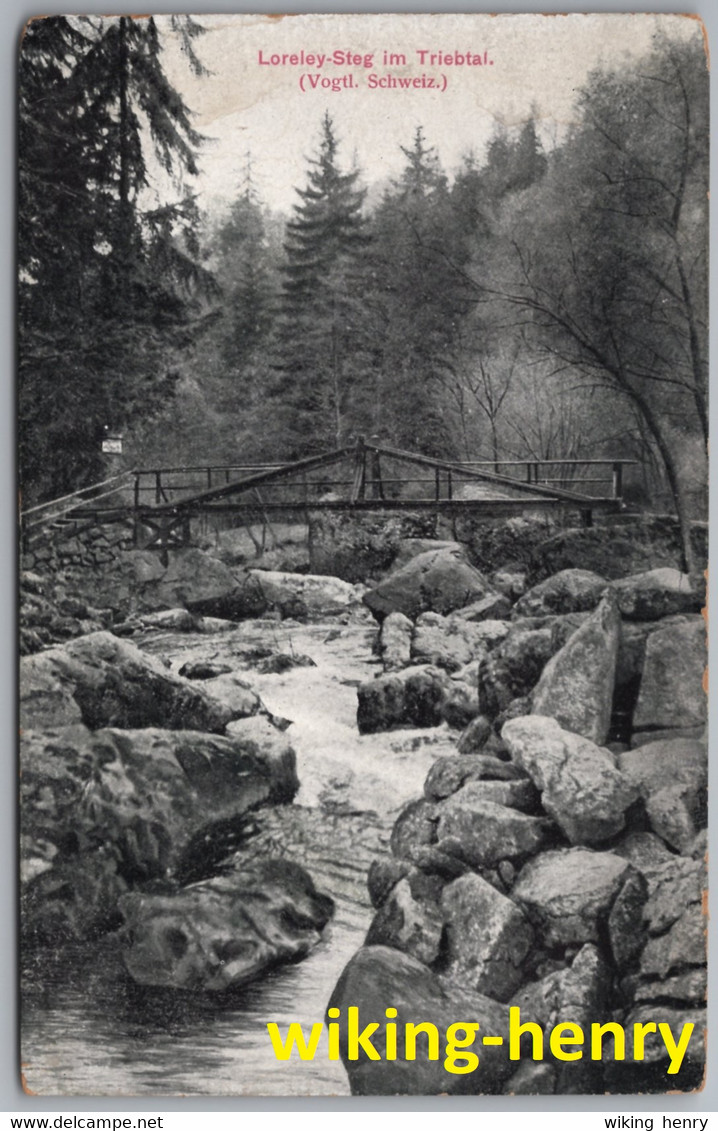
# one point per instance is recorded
(159, 504)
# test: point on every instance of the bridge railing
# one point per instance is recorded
(600, 478)
(115, 490)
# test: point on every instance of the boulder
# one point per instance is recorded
(687, 988)
(415, 696)
(260, 739)
(377, 978)
(576, 686)
(435, 581)
(482, 832)
(671, 777)
(487, 937)
(580, 993)
(395, 642)
(569, 591)
(655, 594)
(512, 669)
(318, 595)
(412, 926)
(166, 620)
(476, 736)
(448, 774)
(225, 932)
(515, 663)
(410, 548)
(644, 850)
(462, 700)
(511, 581)
(671, 693)
(674, 888)
(112, 683)
(492, 607)
(203, 669)
(415, 825)
(195, 580)
(383, 875)
(568, 894)
(650, 1074)
(104, 810)
(235, 694)
(581, 788)
(440, 642)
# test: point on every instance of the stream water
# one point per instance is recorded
(88, 1030)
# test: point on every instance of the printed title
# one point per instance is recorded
(312, 67)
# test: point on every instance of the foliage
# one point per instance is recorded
(110, 289)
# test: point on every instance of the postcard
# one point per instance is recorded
(362, 407)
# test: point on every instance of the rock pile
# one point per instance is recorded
(555, 861)
(138, 789)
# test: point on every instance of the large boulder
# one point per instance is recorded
(112, 683)
(655, 594)
(313, 595)
(671, 777)
(569, 591)
(377, 978)
(225, 932)
(436, 581)
(416, 696)
(487, 937)
(581, 788)
(104, 810)
(568, 894)
(671, 694)
(576, 686)
(483, 832)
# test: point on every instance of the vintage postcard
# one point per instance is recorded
(363, 453)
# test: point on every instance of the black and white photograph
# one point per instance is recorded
(363, 465)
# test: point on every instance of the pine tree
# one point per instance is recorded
(322, 355)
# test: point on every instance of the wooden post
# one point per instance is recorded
(449, 486)
(618, 481)
(209, 477)
(437, 483)
(359, 483)
(377, 485)
(158, 487)
(137, 489)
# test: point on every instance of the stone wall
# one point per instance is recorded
(54, 548)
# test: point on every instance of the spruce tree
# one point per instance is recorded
(107, 287)
(322, 357)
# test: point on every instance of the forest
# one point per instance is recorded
(535, 303)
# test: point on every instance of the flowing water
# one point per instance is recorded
(88, 1030)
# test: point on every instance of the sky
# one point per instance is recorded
(248, 104)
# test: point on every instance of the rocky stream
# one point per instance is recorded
(249, 794)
